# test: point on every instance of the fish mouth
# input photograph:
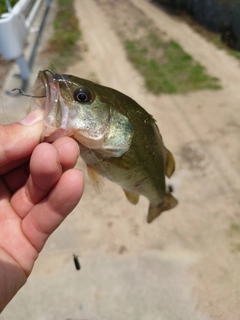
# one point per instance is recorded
(47, 97)
(41, 95)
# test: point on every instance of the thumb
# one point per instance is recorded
(32, 118)
(18, 139)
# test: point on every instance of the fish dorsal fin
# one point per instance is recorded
(132, 197)
(154, 211)
(170, 164)
(95, 178)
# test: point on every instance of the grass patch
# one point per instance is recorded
(215, 38)
(163, 64)
(235, 229)
(3, 7)
(234, 236)
(166, 67)
(62, 46)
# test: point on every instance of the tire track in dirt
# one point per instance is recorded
(202, 130)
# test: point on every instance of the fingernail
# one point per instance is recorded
(32, 118)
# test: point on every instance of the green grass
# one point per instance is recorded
(62, 46)
(216, 39)
(166, 68)
(234, 234)
(3, 7)
(235, 228)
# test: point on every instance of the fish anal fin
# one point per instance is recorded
(170, 164)
(132, 197)
(154, 211)
(96, 179)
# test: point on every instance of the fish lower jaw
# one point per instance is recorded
(91, 142)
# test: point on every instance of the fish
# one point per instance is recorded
(118, 139)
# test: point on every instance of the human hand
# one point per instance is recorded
(38, 189)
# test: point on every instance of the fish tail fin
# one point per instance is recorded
(154, 211)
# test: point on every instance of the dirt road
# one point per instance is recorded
(186, 264)
(202, 129)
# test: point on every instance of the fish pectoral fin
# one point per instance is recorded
(95, 178)
(154, 211)
(132, 197)
(123, 162)
(170, 164)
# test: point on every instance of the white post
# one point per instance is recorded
(14, 27)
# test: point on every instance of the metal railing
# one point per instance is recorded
(14, 29)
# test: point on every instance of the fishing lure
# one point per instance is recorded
(76, 262)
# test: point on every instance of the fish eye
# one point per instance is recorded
(82, 95)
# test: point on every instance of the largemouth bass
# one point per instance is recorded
(118, 139)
